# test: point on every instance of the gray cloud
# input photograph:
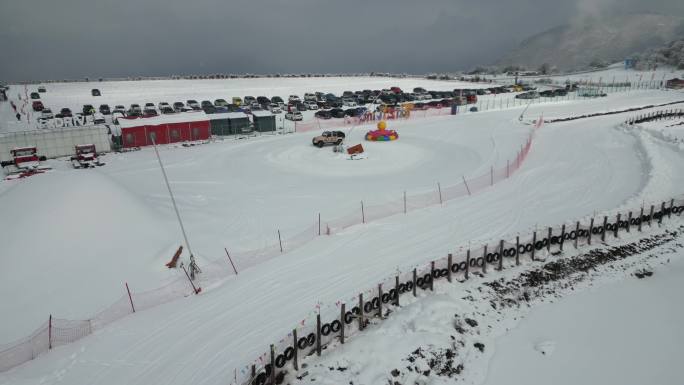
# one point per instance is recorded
(77, 38)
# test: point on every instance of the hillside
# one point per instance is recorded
(582, 43)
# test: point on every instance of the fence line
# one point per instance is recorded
(342, 321)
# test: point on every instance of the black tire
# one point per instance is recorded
(289, 353)
(319, 144)
(462, 266)
(480, 261)
(444, 272)
(356, 310)
(335, 326)
(311, 338)
(260, 379)
(325, 329)
(302, 343)
(376, 303)
(368, 307)
(348, 317)
(419, 282)
(280, 361)
(339, 141)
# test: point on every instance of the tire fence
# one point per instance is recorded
(675, 118)
(57, 332)
(334, 324)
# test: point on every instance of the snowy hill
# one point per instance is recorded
(576, 45)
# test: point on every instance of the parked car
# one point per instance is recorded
(528, 95)
(104, 109)
(237, 101)
(95, 92)
(396, 90)
(193, 104)
(347, 94)
(300, 106)
(65, 112)
(348, 102)
(35, 95)
(249, 100)
(42, 89)
(294, 115)
(264, 101)
(167, 110)
(206, 104)
(312, 105)
(220, 102)
(149, 105)
(323, 114)
(88, 109)
(163, 105)
(328, 137)
(274, 108)
(278, 100)
(46, 113)
(309, 97)
(178, 106)
(419, 90)
(37, 105)
(323, 104)
(560, 92)
(337, 113)
(293, 99)
(119, 108)
(98, 119)
(134, 113)
(547, 94)
(149, 112)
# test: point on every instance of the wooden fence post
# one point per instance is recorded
(501, 256)
(517, 250)
(432, 276)
(669, 214)
(650, 216)
(363, 214)
(617, 226)
(253, 374)
(380, 300)
(629, 221)
(662, 213)
(467, 264)
(439, 190)
(603, 233)
(396, 290)
(360, 311)
(449, 267)
(415, 278)
(577, 232)
(296, 349)
(273, 367)
(318, 334)
(280, 242)
(548, 245)
(641, 217)
(319, 224)
(562, 238)
(50, 332)
(534, 241)
(342, 312)
(484, 260)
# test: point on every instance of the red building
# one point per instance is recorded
(164, 129)
(675, 83)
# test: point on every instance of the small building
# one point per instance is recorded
(230, 123)
(264, 121)
(164, 129)
(675, 83)
(629, 63)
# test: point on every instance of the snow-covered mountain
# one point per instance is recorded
(593, 40)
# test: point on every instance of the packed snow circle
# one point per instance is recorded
(283, 230)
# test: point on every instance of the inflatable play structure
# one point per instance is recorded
(382, 134)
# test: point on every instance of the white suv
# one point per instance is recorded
(309, 97)
(311, 105)
(294, 99)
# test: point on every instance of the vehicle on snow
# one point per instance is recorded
(328, 137)
(85, 157)
(294, 115)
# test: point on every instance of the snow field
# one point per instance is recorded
(574, 170)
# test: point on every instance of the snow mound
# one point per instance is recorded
(83, 227)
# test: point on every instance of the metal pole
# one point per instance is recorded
(439, 189)
(466, 184)
(193, 265)
(129, 297)
(231, 261)
(280, 242)
(363, 215)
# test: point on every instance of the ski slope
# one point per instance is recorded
(101, 228)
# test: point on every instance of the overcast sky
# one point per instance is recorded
(59, 39)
